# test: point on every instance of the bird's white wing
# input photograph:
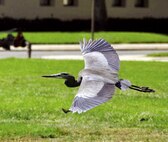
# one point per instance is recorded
(101, 61)
(99, 54)
(99, 75)
(91, 94)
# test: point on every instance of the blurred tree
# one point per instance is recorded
(100, 14)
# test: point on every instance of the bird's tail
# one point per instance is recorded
(126, 84)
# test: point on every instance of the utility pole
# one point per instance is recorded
(92, 19)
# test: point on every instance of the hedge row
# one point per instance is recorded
(143, 25)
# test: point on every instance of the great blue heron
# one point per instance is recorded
(99, 77)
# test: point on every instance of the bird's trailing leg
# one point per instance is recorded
(125, 84)
(141, 89)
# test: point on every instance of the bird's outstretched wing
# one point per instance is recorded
(98, 77)
(99, 54)
(91, 94)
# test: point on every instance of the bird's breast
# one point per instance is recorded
(107, 76)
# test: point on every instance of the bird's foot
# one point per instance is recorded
(65, 110)
(147, 89)
(141, 89)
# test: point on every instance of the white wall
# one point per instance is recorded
(156, 9)
(31, 9)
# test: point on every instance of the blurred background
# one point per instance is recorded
(76, 15)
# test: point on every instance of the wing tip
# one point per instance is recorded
(94, 45)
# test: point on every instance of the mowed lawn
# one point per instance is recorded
(160, 54)
(75, 37)
(30, 106)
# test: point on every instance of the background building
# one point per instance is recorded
(81, 9)
(75, 15)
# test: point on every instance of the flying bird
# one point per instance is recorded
(98, 79)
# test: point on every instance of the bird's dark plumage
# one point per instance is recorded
(71, 82)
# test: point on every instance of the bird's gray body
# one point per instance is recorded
(99, 75)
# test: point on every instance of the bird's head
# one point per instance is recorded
(61, 75)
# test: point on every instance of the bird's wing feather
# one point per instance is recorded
(91, 94)
(95, 45)
(99, 76)
(99, 54)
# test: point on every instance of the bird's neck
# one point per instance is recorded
(71, 82)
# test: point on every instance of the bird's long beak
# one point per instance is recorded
(53, 76)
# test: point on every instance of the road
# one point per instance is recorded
(124, 55)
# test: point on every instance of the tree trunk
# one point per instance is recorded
(100, 14)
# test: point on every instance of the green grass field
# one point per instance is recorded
(75, 37)
(30, 106)
(162, 54)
